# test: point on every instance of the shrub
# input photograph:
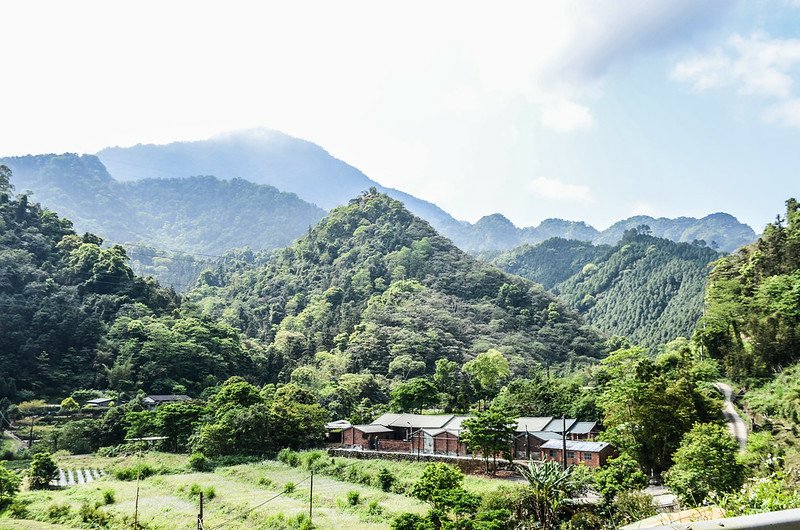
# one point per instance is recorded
(210, 492)
(9, 485)
(195, 489)
(411, 521)
(583, 520)
(374, 507)
(631, 506)
(58, 512)
(289, 457)
(353, 497)
(109, 496)
(93, 516)
(386, 479)
(264, 481)
(19, 509)
(289, 487)
(199, 462)
(129, 473)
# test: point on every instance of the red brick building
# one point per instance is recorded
(365, 436)
(592, 454)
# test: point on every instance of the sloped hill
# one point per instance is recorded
(373, 281)
(552, 261)
(648, 289)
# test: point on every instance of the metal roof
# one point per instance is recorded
(437, 432)
(169, 397)
(582, 427)
(542, 435)
(415, 421)
(557, 425)
(589, 447)
(338, 424)
(372, 429)
(533, 423)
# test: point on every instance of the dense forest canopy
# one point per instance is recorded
(74, 315)
(374, 282)
(646, 288)
(752, 321)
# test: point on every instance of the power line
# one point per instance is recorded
(257, 506)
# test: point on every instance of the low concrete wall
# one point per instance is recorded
(467, 465)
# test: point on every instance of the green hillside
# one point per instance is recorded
(646, 288)
(753, 303)
(373, 282)
(74, 315)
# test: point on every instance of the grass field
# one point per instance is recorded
(170, 501)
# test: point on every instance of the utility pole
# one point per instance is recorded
(311, 497)
(564, 442)
(200, 515)
(30, 435)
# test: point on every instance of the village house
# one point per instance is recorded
(441, 434)
(100, 402)
(591, 454)
(152, 402)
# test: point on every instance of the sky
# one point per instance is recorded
(592, 111)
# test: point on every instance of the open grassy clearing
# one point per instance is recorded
(168, 502)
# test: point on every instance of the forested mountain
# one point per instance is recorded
(646, 288)
(552, 261)
(74, 315)
(753, 303)
(198, 214)
(290, 164)
(373, 282)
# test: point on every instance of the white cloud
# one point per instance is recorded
(555, 189)
(566, 116)
(754, 65)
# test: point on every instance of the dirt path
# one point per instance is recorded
(735, 423)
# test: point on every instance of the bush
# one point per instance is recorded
(56, 513)
(411, 521)
(93, 516)
(374, 507)
(199, 462)
(195, 489)
(289, 487)
(109, 496)
(264, 481)
(386, 479)
(19, 509)
(9, 485)
(289, 457)
(210, 493)
(353, 498)
(129, 473)
(632, 506)
(583, 520)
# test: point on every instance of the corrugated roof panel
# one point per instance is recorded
(533, 423)
(591, 447)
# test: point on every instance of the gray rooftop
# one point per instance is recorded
(582, 427)
(533, 423)
(588, 447)
(372, 429)
(415, 421)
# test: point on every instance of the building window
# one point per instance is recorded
(587, 457)
(570, 454)
(552, 453)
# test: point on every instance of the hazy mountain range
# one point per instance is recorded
(267, 189)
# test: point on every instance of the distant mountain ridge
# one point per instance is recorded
(271, 157)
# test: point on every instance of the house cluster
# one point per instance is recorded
(535, 437)
(151, 402)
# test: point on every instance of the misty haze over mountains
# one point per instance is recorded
(139, 194)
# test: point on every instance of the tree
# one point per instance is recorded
(551, 486)
(9, 485)
(489, 369)
(619, 474)
(405, 365)
(440, 486)
(69, 404)
(5, 179)
(414, 395)
(491, 432)
(705, 463)
(43, 470)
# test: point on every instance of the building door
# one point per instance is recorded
(427, 447)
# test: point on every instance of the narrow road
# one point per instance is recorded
(735, 423)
